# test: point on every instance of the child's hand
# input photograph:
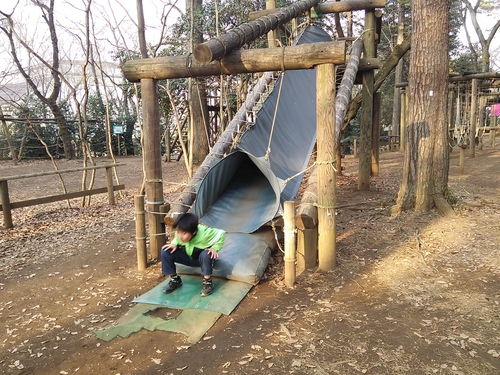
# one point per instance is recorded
(213, 254)
(170, 247)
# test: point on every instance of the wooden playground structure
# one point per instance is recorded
(221, 56)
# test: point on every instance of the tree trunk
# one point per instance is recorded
(51, 100)
(197, 95)
(396, 112)
(426, 161)
(7, 136)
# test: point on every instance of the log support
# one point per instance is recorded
(290, 243)
(364, 166)
(303, 56)
(217, 48)
(306, 221)
(152, 164)
(140, 233)
(331, 7)
(325, 114)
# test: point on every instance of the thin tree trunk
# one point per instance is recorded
(7, 136)
(396, 112)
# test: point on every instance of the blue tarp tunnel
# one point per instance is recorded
(247, 188)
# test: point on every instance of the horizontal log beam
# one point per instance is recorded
(330, 7)
(469, 77)
(236, 38)
(62, 197)
(303, 56)
(59, 172)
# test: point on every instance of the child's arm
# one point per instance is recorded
(170, 246)
(216, 242)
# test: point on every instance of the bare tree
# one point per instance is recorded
(483, 40)
(51, 100)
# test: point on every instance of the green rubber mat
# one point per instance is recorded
(226, 296)
(137, 318)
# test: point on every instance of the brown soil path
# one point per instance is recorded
(413, 294)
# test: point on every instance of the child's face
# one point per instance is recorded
(184, 236)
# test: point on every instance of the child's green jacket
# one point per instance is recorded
(204, 238)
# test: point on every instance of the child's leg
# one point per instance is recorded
(168, 260)
(206, 264)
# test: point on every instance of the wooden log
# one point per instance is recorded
(223, 144)
(140, 232)
(366, 118)
(345, 89)
(6, 207)
(290, 244)
(469, 77)
(236, 38)
(307, 249)
(271, 35)
(402, 122)
(473, 120)
(62, 197)
(375, 135)
(332, 7)
(303, 56)
(325, 114)
(462, 159)
(152, 163)
(307, 212)
(61, 171)
(109, 186)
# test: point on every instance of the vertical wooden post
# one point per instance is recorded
(140, 232)
(164, 208)
(375, 135)
(493, 130)
(307, 248)
(355, 147)
(152, 162)
(6, 209)
(402, 132)
(462, 158)
(271, 35)
(325, 115)
(473, 120)
(365, 143)
(290, 244)
(109, 186)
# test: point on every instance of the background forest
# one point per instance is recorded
(62, 93)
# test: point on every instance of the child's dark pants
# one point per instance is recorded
(201, 258)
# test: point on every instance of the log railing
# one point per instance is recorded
(7, 206)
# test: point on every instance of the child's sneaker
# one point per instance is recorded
(172, 285)
(207, 288)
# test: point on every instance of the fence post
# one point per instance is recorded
(109, 184)
(4, 199)
(290, 244)
(140, 232)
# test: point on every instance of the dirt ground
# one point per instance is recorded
(412, 294)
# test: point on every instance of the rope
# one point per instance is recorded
(188, 65)
(274, 117)
(327, 162)
(276, 237)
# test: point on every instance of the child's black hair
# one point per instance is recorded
(187, 222)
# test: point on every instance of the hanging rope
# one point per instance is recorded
(268, 151)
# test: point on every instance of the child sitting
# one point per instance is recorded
(194, 245)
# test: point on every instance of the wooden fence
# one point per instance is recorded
(7, 206)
